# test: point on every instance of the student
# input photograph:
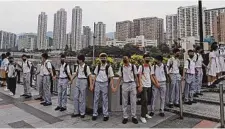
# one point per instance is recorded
(40, 83)
(47, 70)
(173, 65)
(189, 77)
(103, 78)
(83, 75)
(128, 73)
(221, 61)
(3, 75)
(6, 62)
(159, 70)
(145, 78)
(63, 82)
(11, 73)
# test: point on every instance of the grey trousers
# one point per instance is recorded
(189, 88)
(62, 92)
(198, 80)
(46, 89)
(41, 87)
(174, 89)
(80, 96)
(26, 83)
(162, 93)
(126, 89)
(101, 87)
(144, 101)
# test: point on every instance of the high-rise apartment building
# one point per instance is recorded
(7, 40)
(76, 28)
(99, 33)
(171, 28)
(27, 41)
(89, 36)
(210, 16)
(68, 40)
(218, 28)
(124, 30)
(59, 32)
(41, 33)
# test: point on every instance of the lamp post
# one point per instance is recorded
(94, 36)
(200, 23)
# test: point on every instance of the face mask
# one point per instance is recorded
(24, 60)
(191, 56)
(177, 55)
(103, 61)
(147, 61)
(62, 61)
(125, 61)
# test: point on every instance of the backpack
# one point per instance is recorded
(66, 72)
(106, 69)
(189, 62)
(143, 68)
(53, 68)
(132, 69)
(85, 73)
(165, 71)
(171, 65)
(30, 67)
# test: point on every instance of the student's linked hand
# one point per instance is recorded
(54, 77)
(113, 89)
(140, 89)
(91, 88)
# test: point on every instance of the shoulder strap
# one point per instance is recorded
(28, 64)
(99, 67)
(85, 70)
(164, 67)
(197, 58)
(133, 70)
(47, 66)
(171, 64)
(188, 63)
(107, 70)
(142, 66)
(121, 70)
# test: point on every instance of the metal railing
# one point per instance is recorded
(221, 105)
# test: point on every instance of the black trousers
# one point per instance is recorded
(12, 84)
(144, 100)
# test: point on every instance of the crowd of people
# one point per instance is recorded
(160, 78)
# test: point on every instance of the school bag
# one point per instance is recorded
(53, 68)
(66, 72)
(132, 69)
(165, 72)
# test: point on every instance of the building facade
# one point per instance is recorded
(7, 40)
(89, 36)
(42, 30)
(99, 33)
(59, 31)
(171, 28)
(68, 41)
(27, 41)
(76, 28)
(124, 30)
(218, 28)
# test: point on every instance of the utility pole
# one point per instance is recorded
(200, 22)
(94, 36)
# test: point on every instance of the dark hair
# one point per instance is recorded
(8, 54)
(45, 55)
(81, 57)
(197, 48)
(159, 57)
(63, 56)
(24, 55)
(127, 54)
(146, 55)
(175, 50)
(11, 59)
(214, 46)
(3, 56)
(190, 51)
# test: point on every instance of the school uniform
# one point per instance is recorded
(198, 66)
(160, 75)
(46, 82)
(102, 85)
(5, 63)
(213, 65)
(11, 73)
(189, 80)
(129, 86)
(26, 67)
(145, 72)
(63, 82)
(80, 90)
(173, 68)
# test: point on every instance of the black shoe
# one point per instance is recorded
(162, 114)
(62, 109)
(170, 105)
(42, 103)
(39, 98)
(195, 95)
(177, 105)
(106, 118)
(151, 114)
(28, 96)
(188, 103)
(47, 104)
(57, 108)
(75, 115)
(23, 95)
(125, 120)
(94, 118)
(82, 116)
(200, 94)
(134, 120)
(193, 101)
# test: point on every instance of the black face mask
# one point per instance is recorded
(177, 56)
(24, 60)
(191, 56)
(62, 61)
(125, 61)
(103, 61)
(147, 61)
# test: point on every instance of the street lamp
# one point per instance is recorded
(94, 36)
(200, 22)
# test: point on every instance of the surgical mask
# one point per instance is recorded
(62, 61)
(103, 61)
(125, 61)
(147, 61)
(191, 56)
(177, 55)
(24, 60)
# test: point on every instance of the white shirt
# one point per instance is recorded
(44, 70)
(145, 77)
(175, 66)
(198, 63)
(128, 74)
(5, 63)
(80, 70)
(11, 71)
(25, 67)
(159, 72)
(190, 68)
(101, 76)
(62, 73)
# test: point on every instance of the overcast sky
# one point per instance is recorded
(22, 16)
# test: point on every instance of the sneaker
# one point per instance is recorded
(162, 114)
(195, 95)
(47, 104)
(75, 115)
(200, 94)
(177, 105)
(188, 103)
(23, 95)
(39, 98)
(28, 96)
(82, 116)
(42, 103)
(57, 108)
(62, 109)
(151, 114)
(170, 105)
(143, 120)
(106, 118)
(193, 101)
(147, 116)
(94, 118)
(125, 120)
(134, 120)
(11, 94)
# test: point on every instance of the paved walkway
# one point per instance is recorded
(16, 112)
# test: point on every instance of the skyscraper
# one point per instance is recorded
(68, 40)
(218, 28)
(171, 28)
(76, 28)
(59, 32)
(89, 36)
(124, 30)
(7, 40)
(28, 41)
(99, 33)
(42, 29)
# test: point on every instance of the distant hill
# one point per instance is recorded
(110, 35)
